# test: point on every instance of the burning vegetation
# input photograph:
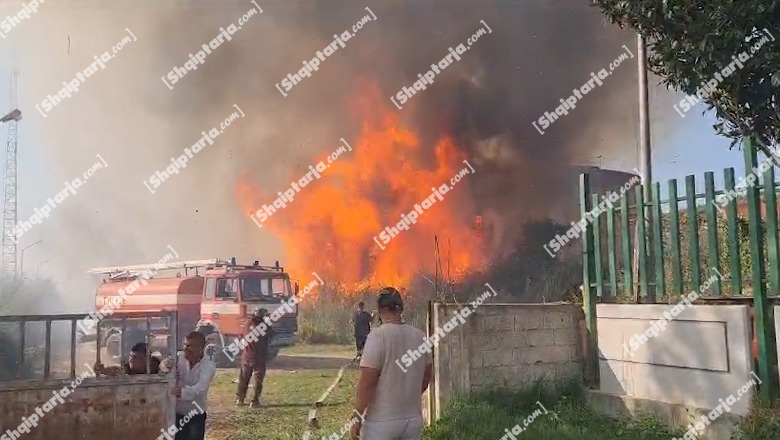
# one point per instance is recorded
(329, 227)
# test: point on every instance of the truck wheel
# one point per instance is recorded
(273, 353)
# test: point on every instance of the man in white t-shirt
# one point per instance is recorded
(389, 397)
(193, 371)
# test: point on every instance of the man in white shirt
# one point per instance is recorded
(390, 397)
(192, 376)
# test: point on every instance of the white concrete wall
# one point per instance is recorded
(703, 355)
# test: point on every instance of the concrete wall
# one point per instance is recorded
(507, 345)
(122, 408)
(703, 355)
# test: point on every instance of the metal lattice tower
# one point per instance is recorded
(9, 191)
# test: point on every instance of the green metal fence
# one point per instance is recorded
(718, 243)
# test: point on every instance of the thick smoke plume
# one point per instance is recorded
(537, 53)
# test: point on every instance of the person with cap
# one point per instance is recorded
(362, 322)
(254, 358)
(388, 397)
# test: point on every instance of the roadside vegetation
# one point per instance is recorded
(485, 415)
(763, 423)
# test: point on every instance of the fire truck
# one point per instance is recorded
(215, 297)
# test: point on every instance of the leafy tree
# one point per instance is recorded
(690, 42)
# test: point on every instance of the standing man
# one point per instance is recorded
(362, 321)
(254, 358)
(193, 373)
(389, 397)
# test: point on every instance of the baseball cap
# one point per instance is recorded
(390, 298)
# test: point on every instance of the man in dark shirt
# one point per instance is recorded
(135, 364)
(362, 321)
(254, 359)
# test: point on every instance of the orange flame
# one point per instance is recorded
(329, 227)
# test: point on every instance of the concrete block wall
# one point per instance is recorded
(509, 345)
(126, 408)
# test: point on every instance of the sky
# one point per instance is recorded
(680, 146)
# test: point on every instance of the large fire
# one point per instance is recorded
(331, 225)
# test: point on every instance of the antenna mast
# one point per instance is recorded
(10, 191)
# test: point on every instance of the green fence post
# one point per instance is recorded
(674, 239)
(588, 275)
(693, 232)
(597, 259)
(611, 256)
(764, 326)
(658, 244)
(625, 227)
(771, 232)
(732, 224)
(712, 229)
(641, 244)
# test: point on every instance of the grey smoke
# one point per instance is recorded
(538, 52)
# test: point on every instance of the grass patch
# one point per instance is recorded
(287, 397)
(485, 415)
(762, 423)
(346, 352)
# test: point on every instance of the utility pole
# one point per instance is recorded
(645, 159)
(645, 156)
(21, 262)
(10, 186)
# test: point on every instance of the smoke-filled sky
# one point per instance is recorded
(537, 53)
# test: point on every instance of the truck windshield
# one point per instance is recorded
(265, 289)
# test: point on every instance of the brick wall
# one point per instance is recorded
(509, 345)
(127, 408)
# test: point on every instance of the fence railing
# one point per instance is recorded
(14, 329)
(714, 242)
